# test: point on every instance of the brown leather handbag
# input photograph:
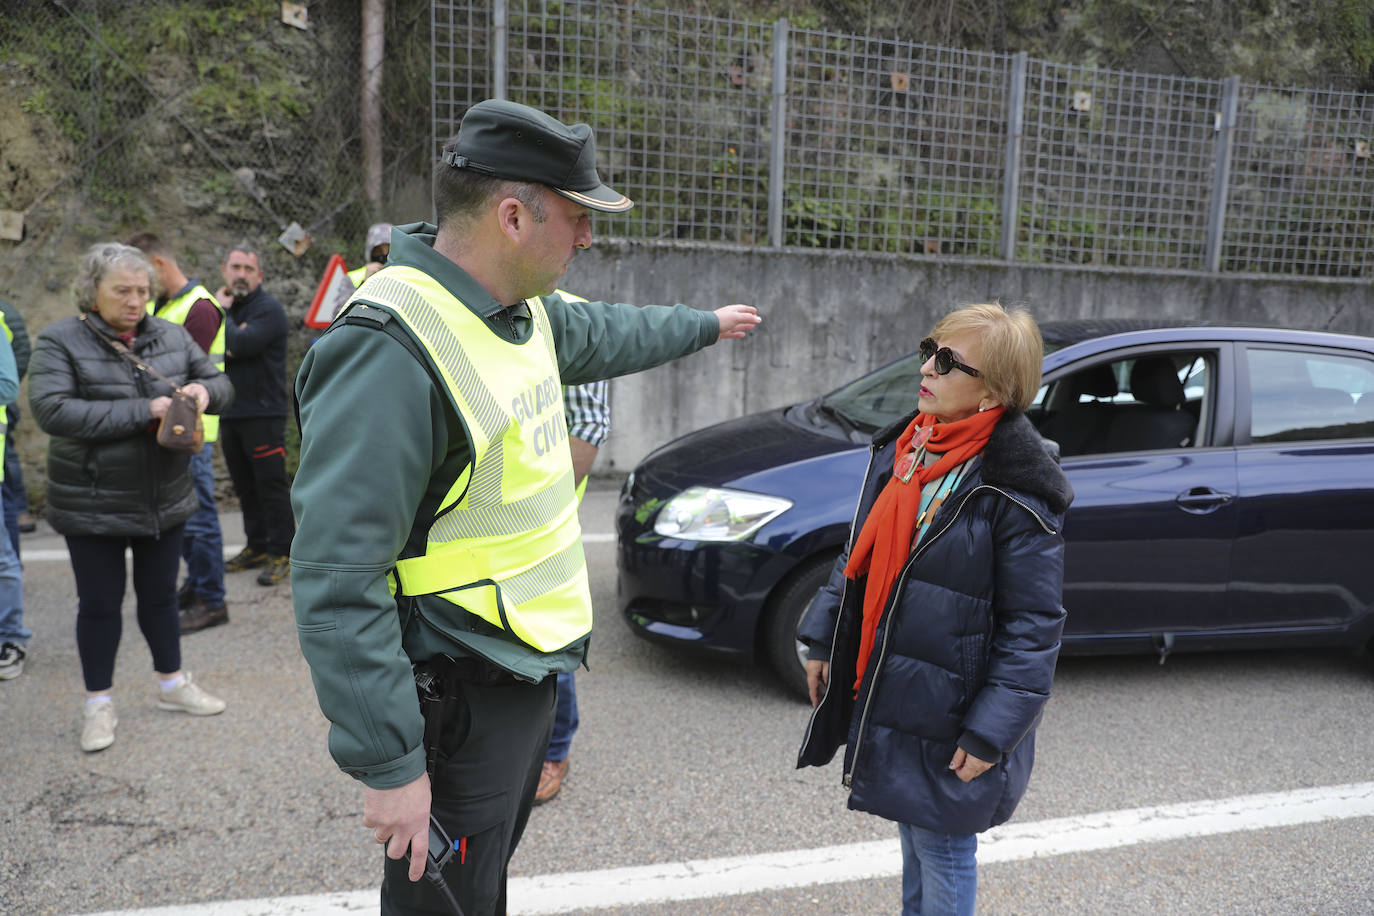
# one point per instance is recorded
(182, 429)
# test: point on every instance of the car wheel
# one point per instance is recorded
(786, 653)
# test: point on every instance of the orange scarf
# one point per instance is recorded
(884, 542)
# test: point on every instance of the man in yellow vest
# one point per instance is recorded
(438, 553)
(375, 251)
(17, 517)
(587, 408)
(188, 303)
(14, 636)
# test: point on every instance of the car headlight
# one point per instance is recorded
(713, 514)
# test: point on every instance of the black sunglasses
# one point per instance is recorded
(944, 358)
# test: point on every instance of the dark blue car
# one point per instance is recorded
(1224, 480)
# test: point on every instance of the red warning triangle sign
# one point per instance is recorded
(334, 290)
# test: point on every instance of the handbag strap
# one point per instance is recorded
(122, 349)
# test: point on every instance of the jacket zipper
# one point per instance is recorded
(140, 378)
(835, 636)
(848, 778)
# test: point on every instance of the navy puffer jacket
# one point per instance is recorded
(965, 652)
(106, 473)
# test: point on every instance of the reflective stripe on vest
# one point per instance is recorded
(177, 311)
(505, 544)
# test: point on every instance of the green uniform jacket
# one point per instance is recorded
(380, 447)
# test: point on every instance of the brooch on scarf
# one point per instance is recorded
(907, 464)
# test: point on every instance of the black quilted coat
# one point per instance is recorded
(965, 650)
(106, 473)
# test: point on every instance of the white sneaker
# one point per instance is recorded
(187, 697)
(97, 729)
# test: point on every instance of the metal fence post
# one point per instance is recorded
(498, 49)
(1216, 219)
(1011, 182)
(776, 177)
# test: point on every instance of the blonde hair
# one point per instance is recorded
(1012, 349)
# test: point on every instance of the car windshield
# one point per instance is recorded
(869, 403)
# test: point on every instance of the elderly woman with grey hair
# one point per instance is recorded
(111, 486)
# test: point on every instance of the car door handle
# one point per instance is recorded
(1201, 500)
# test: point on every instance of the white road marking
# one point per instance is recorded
(60, 555)
(28, 555)
(700, 879)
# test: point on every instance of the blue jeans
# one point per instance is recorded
(203, 544)
(16, 498)
(12, 627)
(564, 718)
(939, 872)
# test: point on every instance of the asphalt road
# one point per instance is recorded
(678, 758)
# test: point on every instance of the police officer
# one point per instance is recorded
(438, 531)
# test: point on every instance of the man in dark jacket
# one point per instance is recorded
(253, 430)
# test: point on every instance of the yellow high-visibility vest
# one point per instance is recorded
(505, 542)
(178, 310)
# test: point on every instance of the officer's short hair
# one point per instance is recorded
(100, 259)
(460, 195)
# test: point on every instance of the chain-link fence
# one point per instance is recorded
(739, 132)
(246, 113)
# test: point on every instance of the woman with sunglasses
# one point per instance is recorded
(933, 645)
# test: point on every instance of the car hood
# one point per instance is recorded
(746, 452)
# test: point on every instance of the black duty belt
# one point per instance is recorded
(478, 671)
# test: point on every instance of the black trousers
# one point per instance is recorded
(491, 750)
(255, 453)
(98, 563)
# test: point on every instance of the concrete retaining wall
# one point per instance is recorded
(829, 317)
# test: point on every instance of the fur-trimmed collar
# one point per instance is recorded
(1016, 456)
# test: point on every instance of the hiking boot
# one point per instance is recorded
(274, 570)
(11, 661)
(27, 523)
(201, 616)
(186, 596)
(188, 697)
(551, 777)
(247, 558)
(97, 726)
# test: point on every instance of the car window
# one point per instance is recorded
(875, 400)
(1146, 402)
(1297, 395)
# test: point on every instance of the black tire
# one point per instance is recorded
(785, 653)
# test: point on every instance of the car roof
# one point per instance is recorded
(1065, 336)
(1075, 330)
